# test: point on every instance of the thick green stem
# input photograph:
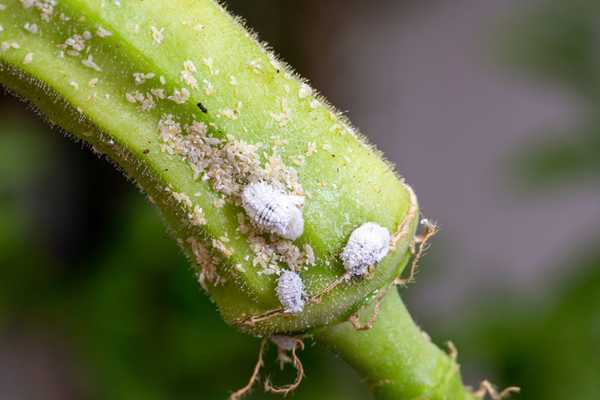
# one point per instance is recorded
(397, 359)
(189, 105)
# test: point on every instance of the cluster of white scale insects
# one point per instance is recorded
(273, 211)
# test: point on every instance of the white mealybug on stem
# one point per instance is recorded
(290, 290)
(368, 244)
(273, 211)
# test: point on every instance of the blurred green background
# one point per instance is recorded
(96, 302)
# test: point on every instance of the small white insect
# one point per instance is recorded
(290, 290)
(273, 211)
(368, 244)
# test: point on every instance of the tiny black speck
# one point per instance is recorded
(201, 107)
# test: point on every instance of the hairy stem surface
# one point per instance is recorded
(134, 80)
(193, 109)
(396, 358)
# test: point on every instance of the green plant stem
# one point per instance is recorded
(88, 82)
(396, 358)
(244, 97)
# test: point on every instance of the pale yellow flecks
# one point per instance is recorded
(209, 89)
(187, 74)
(180, 96)
(255, 65)
(209, 62)
(240, 267)
(221, 247)
(28, 59)
(157, 34)
(277, 141)
(310, 255)
(102, 33)
(181, 198)
(219, 203)
(89, 62)
(282, 117)
(158, 93)
(31, 28)
(140, 78)
(197, 217)
(206, 261)
(146, 101)
(28, 3)
(228, 165)
(5, 46)
(299, 160)
(45, 7)
(76, 44)
(93, 96)
(232, 114)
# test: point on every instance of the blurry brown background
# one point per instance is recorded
(488, 108)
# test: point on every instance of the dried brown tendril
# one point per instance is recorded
(238, 394)
(452, 350)
(422, 241)
(355, 320)
(284, 345)
(486, 388)
(283, 358)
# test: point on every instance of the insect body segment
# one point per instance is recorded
(290, 290)
(368, 244)
(273, 211)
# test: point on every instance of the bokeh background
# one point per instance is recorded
(490, 109)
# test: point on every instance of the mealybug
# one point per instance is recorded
(273, 211)
(290, 291)
(368, 244)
